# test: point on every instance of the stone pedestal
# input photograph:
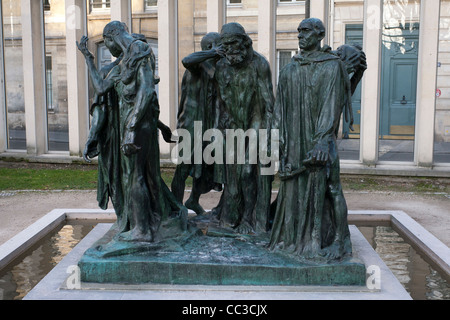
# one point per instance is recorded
(209, 255)
(61, 283)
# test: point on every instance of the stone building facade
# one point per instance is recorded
(401, 110)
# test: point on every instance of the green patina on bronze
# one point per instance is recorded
(213, 256)
(198, 102)
(314, 90)
(303, 240)
(124, 134)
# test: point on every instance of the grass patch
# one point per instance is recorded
(79, 177)
(396, 184)
(59, 179)
(47, 179)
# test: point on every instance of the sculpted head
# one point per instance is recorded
(111, 34)
(236, 43)
(310, 33)
(210, 40)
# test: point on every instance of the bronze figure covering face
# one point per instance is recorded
(236, 44)
(245, 96)
(198, 104)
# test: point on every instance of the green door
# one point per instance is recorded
(354, 35)
(399, 82)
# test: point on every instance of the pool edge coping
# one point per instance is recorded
(436, 252)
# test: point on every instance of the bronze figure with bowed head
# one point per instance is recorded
(129, 137)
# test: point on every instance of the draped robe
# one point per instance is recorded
(312, 93)
(246, 101)
(133, 183)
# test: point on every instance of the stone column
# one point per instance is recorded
(426, 82)
(168, 65)
(137, 6)
(319, 10)
(370, 101)
(34, 75)
(216, 15)
(77, 77)
(121, 11)
(267, 13)
(3, 120)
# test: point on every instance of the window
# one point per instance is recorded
(46, 5)
(234, 2)
(12, 70)
(290, 1)
(151, 4)
(49, 82)
(99, 5)
(283, 58)
(103, 56)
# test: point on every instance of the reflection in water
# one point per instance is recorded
(17, 280)
(418, 278)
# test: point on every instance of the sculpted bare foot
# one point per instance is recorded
(312, 251)
(334, 251)
(135, 235)
(244, 228)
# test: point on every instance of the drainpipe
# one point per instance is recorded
(331, 24)
(307, 9)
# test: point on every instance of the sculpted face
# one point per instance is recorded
(112, 46)
(309, 38)
(211, 40)
(235, 50)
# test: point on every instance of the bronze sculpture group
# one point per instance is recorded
(228, 86)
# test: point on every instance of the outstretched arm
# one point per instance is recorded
(192, 61)
(166, 133)
(101, 86)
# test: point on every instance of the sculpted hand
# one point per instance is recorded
(130, 149)
(90, 150)
(82, 46)
(129, 146)
(167, 134)
(317, 157)
(363, 61)
(220, 51)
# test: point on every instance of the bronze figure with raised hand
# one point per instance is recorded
(141, 198)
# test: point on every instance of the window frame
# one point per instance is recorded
(49, 83)
(103, 9)
(150, 8)
(290, 2)
(234, 5)
(293, 53)
(47, 5)
(102, 60)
